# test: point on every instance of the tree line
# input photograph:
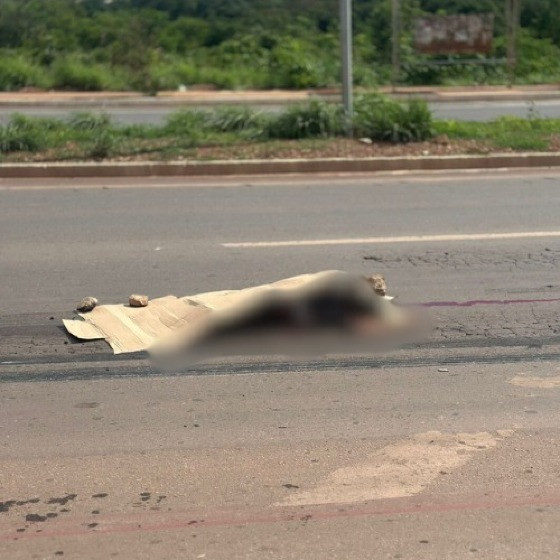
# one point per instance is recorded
(163, 44)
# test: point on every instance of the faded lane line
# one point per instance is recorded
(400, 239)
(398, 470)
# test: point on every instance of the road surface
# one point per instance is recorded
(156, 115)
(445, 448)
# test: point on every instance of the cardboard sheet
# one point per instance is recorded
(82, 329)
(133, 329)
(129, 329)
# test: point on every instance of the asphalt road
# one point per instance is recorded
(444, 448)
(156, 114)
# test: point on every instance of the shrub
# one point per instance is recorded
(169, 75)
(24, 134)
(186, 122)
(538, 59)
(312, 120)
(74, 74)
(294, 65)
(380, 118)
(236, 119)
(17, 72)
(18, 141)
(89, 121)
(102, 145)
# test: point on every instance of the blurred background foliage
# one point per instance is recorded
(154, 45)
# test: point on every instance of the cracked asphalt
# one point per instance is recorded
(445, 447)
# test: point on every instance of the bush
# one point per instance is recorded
(76, 75)
(236, 119)
(169, 75)
(24, 134)
(242, 121)
(538, 60)
(102, 145)
(186, 122)
(17, 72)
(383, 119)
(12, 140)
(89, 121)
(294, 65)
(312, 120)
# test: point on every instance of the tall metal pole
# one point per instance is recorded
(512, 17)
(396, 42)
(346, 52)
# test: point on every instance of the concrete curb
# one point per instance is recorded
(277, 166)
(77, 100)
(482, 98)
(152, 102)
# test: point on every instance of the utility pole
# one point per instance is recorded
(346, 53)
(395, 42)
(512, 17)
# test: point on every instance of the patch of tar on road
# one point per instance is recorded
(35, 518)
(87, 405)
(5, 506)
(63, 500)
(30, 501)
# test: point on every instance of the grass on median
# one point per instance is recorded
(512, 133)
(94, 136)
(87, 136)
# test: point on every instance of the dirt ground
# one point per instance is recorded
(280, 149)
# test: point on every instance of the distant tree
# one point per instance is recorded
(543, 18)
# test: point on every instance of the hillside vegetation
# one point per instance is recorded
(153, 45)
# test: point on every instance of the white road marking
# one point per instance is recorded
(402, 469)
(399, 239)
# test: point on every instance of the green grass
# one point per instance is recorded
(513, 133)
(94, 136)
